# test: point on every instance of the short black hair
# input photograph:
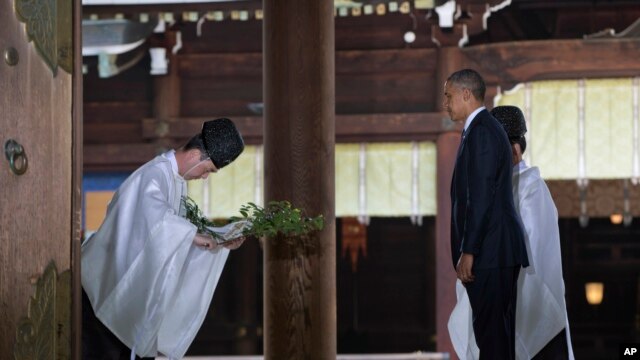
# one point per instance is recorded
(196, 143)
(469, 79)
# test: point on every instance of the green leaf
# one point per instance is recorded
(279, 217)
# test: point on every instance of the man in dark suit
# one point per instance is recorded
(487, 240)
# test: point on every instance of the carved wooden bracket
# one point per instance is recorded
(349, 128)
(49, 25)
(469, 18)
(507, 64)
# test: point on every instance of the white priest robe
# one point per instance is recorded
(541, 312)
(145, 279)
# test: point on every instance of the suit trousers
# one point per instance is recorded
(493, 296)
(98, 343)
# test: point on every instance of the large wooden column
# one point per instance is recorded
(449, 61)
(299, 98)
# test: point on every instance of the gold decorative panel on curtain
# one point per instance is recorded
(373, 179)
(556, 111)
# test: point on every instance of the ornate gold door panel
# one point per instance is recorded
(39, 177)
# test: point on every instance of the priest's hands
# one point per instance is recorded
(463, 269)
(235, 243)
(205, 242)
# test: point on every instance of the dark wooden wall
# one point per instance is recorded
(115, 107)
(367, 82)
(386, 305)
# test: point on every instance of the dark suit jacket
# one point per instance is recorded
(484, 221)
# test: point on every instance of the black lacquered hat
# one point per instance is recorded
(222, 141)
(512, 119)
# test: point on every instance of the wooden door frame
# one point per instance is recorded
(76, 184)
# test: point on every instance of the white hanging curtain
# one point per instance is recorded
(233, 186)
(373, 179)
(608, 127)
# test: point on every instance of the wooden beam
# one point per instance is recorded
(349, 128)
(109, 10)
(561, 4)
(391, 127)
(347, 62)
(126, 111)
(220, 65)
(372, 81)
(508, 64)
(183, 128)
(112, 133)
(118, 157)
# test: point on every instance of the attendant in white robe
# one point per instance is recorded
(542, 326)
(147, 276)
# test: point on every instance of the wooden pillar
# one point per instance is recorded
(299, 141)
(449, 60)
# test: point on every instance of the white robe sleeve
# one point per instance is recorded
(191, 302)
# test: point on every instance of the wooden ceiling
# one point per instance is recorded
(381, 81)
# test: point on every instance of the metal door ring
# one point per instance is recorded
(13, 151)
(11, 56)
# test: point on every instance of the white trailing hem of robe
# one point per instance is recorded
(145, 279)
(541, 312)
